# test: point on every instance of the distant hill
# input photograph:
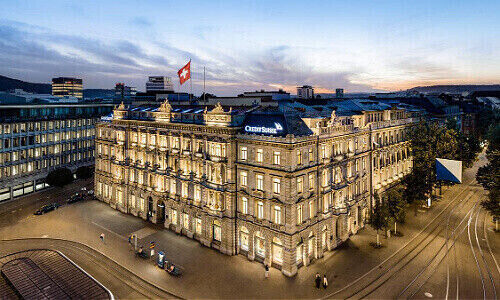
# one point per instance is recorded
(98, 93)
(8, 84)
(455, 89)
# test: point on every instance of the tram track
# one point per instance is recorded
(414, 246)
(109, 266)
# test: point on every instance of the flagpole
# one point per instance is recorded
(204, 92)
(190, 82)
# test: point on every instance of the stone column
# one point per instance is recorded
(289, 267)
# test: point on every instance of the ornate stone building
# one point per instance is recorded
(280, 185)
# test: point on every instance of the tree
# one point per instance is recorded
(84, 172)
(395, 206)
(379, 219)
(489, 175)
(59, 177)
(428, 140)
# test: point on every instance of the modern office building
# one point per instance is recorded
(339, 93)
(67, 87)
(279, 95)
(159, 84)
(123, 92)
(35, 139)
(305, 92)
(281, 185)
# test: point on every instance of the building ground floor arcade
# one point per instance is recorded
(258, 242)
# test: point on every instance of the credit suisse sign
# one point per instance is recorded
(276, 129)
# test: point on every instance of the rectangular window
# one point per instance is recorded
(217, 231)
(311, 181)
(311, 209)
(277, 158)
(259, 182)
(244, 206)
(277, 215)
(197, 194)
(198, 225)
(260, 210)
(300, 184)
(299, 157)
(311, 156)
(243, 178)
(260, 155)
(324, 177)
(185, 220)
(244, 153)
(323, 151)
(276, 185)
(299, 214)
(174, 217)
(184, 190)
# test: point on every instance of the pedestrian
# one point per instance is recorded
(318, 280)
(102, 237)
(130, 239)
(325, 282)
(267, 271)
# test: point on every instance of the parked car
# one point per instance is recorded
(47, 208)
(75, 198)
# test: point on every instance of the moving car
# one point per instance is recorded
(47, 208)
(75, 198)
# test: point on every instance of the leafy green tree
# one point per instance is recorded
(489, 175)
(428, 140)
(379, 218)
(84, 172)
(395, 206)
(59, 177)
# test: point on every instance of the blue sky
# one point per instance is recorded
(248, 45)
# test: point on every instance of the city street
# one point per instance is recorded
(448, 250)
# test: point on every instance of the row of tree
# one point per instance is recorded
(62, 176)
(489, 175)
(428, 141)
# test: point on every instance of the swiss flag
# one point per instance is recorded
(185, 73)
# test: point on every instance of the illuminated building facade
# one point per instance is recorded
(35, 139)
(67, 87)
(280, 185)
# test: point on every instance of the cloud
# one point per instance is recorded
(37, 54)
(141, 22)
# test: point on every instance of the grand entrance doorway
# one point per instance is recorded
(160, 213)
(150, 208)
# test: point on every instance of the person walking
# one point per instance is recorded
(102, 237)
(325, 282)
(318, 280)
(267, 271)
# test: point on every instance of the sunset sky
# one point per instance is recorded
(249, 45)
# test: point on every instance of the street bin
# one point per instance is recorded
(161, 259)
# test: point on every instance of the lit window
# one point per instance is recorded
(185, 220)
(299, 214)
(299, 157)
(300, 184)
(277, 215)
(260, 155)
(324, 176)
(276, 185)
(184, 190)
(243, 178)
(259, 182)
(311, 155)
(311, 209)
(323, 151)
(260, 210)
(197, 194)
(198, 225)
(244, 208)
(244, 153)
(277, 158)
(311, 181)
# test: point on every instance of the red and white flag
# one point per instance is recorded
(185, 73)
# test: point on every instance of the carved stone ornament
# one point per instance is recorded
(165, 107)
(217, 109)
